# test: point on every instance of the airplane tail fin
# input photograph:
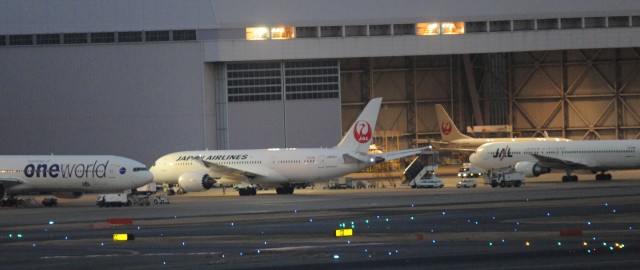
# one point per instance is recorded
(448, 129)
(358, 138)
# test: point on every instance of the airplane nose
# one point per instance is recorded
(476, 160)
(144, 178)
(472, 158)
(154, 173)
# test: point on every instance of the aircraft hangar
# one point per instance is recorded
(145, 78)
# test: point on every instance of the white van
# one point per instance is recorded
(431, 182)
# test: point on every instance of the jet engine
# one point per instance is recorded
(68, 195)
(194, 182)
(531, 169)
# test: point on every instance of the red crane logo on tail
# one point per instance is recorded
(445, 128)
(362, 131)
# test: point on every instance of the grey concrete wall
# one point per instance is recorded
(384, 46)
(135, 100)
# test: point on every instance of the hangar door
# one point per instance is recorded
(282, 103)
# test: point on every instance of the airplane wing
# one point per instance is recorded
(399, 154)
(219, 169)
(231, 175)
(561, 163)
(444, 146)
(9, 182)
(426, 141)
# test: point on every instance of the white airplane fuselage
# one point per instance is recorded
(49, 173)
(195, 171)
(474, 143)
(595, 155)
(276, 166)
(454, 140)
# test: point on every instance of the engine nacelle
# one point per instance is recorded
(531, 169)
(68, 195)
(194, 182)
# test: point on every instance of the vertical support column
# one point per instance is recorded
(412, 108)
(367, 79)
(512, 99)
(460, 102)
(565, 88)
(283, 87)
(473, 90)
(221, 99)
(616, 86)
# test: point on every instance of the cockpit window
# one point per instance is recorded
(138, 169)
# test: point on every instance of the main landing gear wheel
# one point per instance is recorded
(284, 190)
(603, 176)
(570, 178)
(247, 191)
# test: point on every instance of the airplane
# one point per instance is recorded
(68, 176)
(454, 140)
(536, 158)
(280, 168)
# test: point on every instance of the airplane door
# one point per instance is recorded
(113, 170)
(321, 162)
(272, 162)
(331, 161)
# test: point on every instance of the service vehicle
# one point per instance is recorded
(431, 182)
(161, 200)
(467, 183)
(504, 178)
(148, 189)
(468, 170)
(114, 199)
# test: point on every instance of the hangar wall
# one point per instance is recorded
(139, 101)
(578, 94)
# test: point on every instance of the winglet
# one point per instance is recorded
(358, 138)
(448, 129)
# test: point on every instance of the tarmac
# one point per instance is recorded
(545, 224)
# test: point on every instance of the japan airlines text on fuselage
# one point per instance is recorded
(271, 166)
(535, 158)
(70, 174)
(200, 170)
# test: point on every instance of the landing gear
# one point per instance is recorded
(248, 191)
(603, 176)
(570, 178)
(284, 189)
